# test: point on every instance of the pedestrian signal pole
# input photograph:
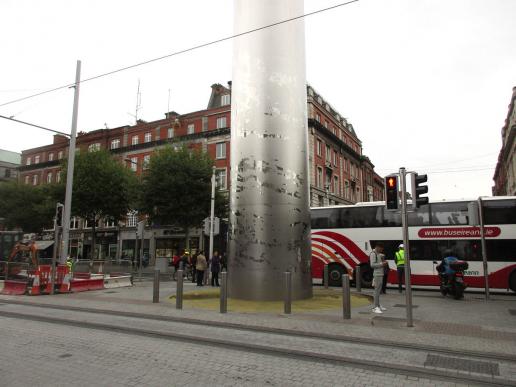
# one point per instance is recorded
(404, 222)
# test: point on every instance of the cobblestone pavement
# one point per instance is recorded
(42, 354)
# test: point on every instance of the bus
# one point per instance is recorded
(343, 237)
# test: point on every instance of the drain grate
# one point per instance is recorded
(404, 306)
(455, 363)
(512, 311)
(111, 292)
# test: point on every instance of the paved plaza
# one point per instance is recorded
(118, 337)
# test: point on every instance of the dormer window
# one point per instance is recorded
(225, 100)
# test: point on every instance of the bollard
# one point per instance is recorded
(358, 278)
(155, 290)
(179, 290)
(346, 298)
(325, 276)
(224, 292)
(288, 293)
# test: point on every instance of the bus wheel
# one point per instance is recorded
(367, 276)
(512, 281)
(335, 272)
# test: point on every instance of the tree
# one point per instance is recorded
(176, 188)
(102, 188)
(30, 208)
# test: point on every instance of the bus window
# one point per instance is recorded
(469, 250)
(424, 250)
(361, 217)
(499, 211)
(320, 218)
(419, 217)
(501, 250)
(391, 218)
(449, 213)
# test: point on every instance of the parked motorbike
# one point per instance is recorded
(452, 281)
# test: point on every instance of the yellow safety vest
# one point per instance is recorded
(70, 265)
(400, 257)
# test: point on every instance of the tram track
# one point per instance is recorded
(29, 313)
(281, 331)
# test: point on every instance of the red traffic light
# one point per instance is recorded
(391, 182)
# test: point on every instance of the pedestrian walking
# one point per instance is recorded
(375, 260)
(193, 263)
(399, 259)
(184, 260)
(201, 266)
(215, 269)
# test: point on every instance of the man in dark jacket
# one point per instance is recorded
(215, 268)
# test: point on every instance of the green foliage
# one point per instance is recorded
(28, 207)
(177, 187)
(102, 186)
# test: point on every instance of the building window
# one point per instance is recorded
(220, 178)
(132, 218)
(29, 160)
(60, 155)
(115, 144)
(326, 124)
(328, 154)
(319, 177)
(27, 179)
(134, 164)
(190, 129)
(346, 189)
(170, 132)
(225, 100)
(49, 177)
(221, 122)
(74, 223)
(94, 147)
(317, 117)
(36, 159)
(321, 201)
(335, 158)
(109, 223)
(35, 180)
(146, 161)
(319, 148)
(58, 177)
(221, 150)
(134, 140)
(51, 156)
(336, 187)
(148, 137)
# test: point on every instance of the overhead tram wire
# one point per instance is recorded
(36, 126)
(213, 42)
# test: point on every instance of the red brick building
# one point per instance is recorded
(339, 172)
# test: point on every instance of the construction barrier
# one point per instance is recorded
(14, 287)
(82, 285)
(118, 282)
(63, 277)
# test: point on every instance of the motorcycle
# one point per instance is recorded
(452, 283)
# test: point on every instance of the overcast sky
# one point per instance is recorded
(426, 83)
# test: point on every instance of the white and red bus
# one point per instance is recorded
(343, 237)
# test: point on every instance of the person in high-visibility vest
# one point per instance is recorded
(399, 259)
(69, 263)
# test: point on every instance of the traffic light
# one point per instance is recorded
(391, 192)
(59, 214)
(418, 190)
